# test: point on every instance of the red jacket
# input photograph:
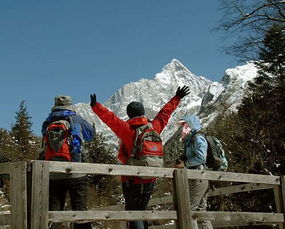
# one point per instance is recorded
(125, 130)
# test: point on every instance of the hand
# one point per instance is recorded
(181, 92)
(180, 164)
(93, 100)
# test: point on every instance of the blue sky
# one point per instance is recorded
(77, 47)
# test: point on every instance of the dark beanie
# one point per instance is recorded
(135, 109)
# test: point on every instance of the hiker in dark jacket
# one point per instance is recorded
(75, 184)
(194, 157)
(137, 191)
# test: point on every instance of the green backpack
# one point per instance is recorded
(216, 158)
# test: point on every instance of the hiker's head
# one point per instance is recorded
(190, 124)
(185, 128)
(62, 100)
(193, 121)
(135, 109)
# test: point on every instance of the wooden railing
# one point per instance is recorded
(29, 190)
(17, 216)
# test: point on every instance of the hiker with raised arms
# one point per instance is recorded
(137, 190)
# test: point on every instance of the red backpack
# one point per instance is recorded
(57, 141)
(148, 149)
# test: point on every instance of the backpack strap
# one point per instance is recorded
(196, 134)
(195, 137)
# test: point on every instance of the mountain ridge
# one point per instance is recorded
(205, 99)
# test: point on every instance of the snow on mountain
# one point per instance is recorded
(205, 98)
(228, 94)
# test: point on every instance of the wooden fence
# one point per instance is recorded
(29, 196)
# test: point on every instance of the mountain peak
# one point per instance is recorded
(206, 98)
(175, 66)
(175, 72)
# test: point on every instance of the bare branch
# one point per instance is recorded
(247, 20)
(259, 12)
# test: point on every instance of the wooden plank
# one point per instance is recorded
(182, 200)
(40, 192)
(89, 216)
(170, 226)
(160, 200)
(231, 219)
(239, 216)
(5, 217)
(5, 168)
(5, 227)
(278, 202)
(109, 169)
(29, 193)
(125, 170)
(239, 188)
(233, 177)
(218, 224)
(217, 192)
(280, 197)
(18, 185)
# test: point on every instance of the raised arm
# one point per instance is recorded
(161, 119)
(120, 127)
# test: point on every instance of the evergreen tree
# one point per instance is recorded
(262, 110)
(99, 152)
(7, 146)
(255, 135)
(272, 68)
(104, 190)
(22, 133)
(272, 54)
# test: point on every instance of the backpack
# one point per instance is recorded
(216, 158)
(148, 148)
(57, 141)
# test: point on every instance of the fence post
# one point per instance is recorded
(181, 200)
(18, 185)
(278, 202)
(280, 197)
(40, 194)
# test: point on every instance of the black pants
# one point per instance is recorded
(137, 197)
(77, 188)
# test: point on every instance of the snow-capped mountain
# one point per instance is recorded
(227, 94)
(205, 96)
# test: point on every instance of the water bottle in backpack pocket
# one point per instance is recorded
(76, 149)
